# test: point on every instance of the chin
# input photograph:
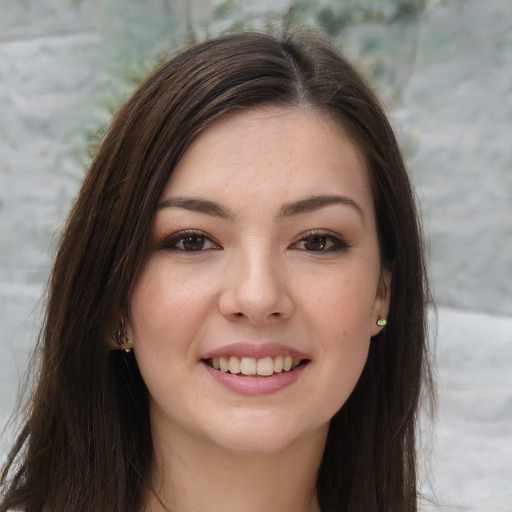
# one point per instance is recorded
(262, 436)
(255, 445)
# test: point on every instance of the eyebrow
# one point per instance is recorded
(313, 203)
(306, 205)
(198, 205)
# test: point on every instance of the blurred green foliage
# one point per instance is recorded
(332, 16)
(138, 34)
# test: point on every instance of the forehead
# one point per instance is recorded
(247, 154)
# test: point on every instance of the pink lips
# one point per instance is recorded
(256, 351)
(256, 385)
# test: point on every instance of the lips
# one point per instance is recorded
(258, 351)
(255, 369)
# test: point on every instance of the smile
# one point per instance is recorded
(262, 367)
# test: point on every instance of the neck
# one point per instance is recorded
(192, 475)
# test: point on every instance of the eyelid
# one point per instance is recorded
(169, 241)
(339, 240)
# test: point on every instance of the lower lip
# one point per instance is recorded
(254, 385)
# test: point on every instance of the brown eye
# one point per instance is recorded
(315, 243)
(321, 242)
(189, 241)
(193, 242)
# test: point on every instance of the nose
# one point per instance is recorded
(256, 288)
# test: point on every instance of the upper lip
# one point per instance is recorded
(256, 351)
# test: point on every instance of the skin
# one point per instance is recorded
(259, 276)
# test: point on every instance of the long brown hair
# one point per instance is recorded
(86, 443)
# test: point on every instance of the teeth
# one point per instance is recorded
(248, 366)
(264, 367)
(234, 365)
(224, 364)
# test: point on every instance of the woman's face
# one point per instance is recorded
(264, 255)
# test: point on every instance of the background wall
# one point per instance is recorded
(444, 69)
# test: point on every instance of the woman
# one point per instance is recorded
(236, 315)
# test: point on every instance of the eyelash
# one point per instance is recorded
(336, 241)
(171, 242)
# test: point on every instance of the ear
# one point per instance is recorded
(382, 301)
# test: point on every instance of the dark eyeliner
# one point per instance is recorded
(339, 243)
(169, 242)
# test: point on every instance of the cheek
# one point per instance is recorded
(339, 322)
(165, 301)
(159, 300)
(342, 306)
(343, 334)
(163, 318)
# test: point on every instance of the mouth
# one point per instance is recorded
(256, 367)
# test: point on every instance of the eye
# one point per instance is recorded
(320, 241)
(189, 241)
